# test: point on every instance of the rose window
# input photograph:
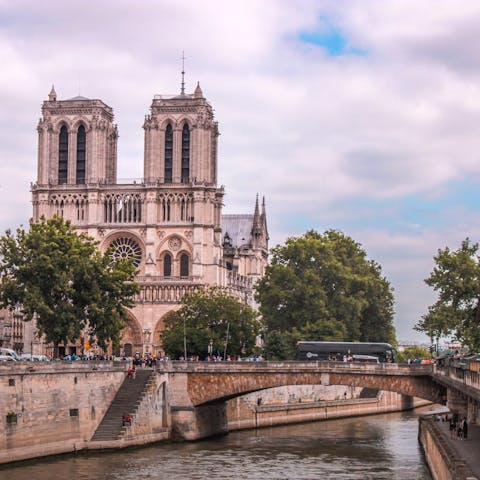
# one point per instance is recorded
(124, 248)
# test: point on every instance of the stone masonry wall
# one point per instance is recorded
(151, 417)
(50, 406)
(283, 405)
(444, 463)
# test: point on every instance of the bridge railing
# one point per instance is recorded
(292, 366)
(459, 370)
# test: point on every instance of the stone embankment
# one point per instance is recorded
(53, 408)
(265, 409)
(449, 459)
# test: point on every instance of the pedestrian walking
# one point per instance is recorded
(452, 427)
(465, 428)
(459, 430)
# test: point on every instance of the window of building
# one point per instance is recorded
(185, 154)
(168, 153)
(184, 265)
(167, 265)
(81, 154)
(124, 248)
(63, 155)
(166, 210)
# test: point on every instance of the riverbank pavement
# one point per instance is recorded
(467, 449)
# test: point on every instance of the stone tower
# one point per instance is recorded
(169, 221)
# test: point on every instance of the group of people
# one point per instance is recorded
(458, 428)
(229, 358)
(147, 360)
(423, 361)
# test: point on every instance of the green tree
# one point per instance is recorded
(412, 353)
(61, 277)
(205, 318)
(456, 278)
(323, 287)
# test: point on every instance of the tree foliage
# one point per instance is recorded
(60, 276)
(412, 353)
(456, 278)
(323, 287)
(207, 316)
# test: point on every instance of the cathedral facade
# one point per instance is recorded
(169, 222)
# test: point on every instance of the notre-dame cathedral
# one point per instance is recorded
(170, 221)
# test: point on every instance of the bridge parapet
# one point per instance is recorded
(296, 367)
(460, 378)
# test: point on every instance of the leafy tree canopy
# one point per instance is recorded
(456, 278)
(207, 317)
(323, 287)
(60, 276)
(412, 353)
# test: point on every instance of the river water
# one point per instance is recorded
(375, 447)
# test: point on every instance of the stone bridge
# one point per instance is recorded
(198, 391)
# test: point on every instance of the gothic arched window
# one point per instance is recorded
(81, 154)
(168, 153)
(167, 265)
(185, 154)
(184, 267)
(63, 155)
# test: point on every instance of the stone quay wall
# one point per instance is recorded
(51, 408)
(307, 403)
(443, 461)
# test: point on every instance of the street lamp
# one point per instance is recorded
(184, 340)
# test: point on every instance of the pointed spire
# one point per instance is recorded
(263, 219)
(182, 90)
(256, 207)
(198, 91)
(256, 219)
(52, 96)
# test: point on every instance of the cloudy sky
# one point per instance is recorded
(361, 116)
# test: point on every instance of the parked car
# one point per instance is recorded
(6, 358)
(33, 358)
(9, 353)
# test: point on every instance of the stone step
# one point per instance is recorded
(127, 400)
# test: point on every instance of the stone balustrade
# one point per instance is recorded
(164, 289)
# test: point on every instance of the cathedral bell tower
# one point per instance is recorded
(77, 149)
(77, 142)
(181, 140)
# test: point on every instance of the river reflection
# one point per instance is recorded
(375, 447)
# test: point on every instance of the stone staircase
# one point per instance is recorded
(126, 400)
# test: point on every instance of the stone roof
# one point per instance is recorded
(239, 229)
(79, 97)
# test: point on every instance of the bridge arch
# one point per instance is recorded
(212, 384)
(199, 391)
